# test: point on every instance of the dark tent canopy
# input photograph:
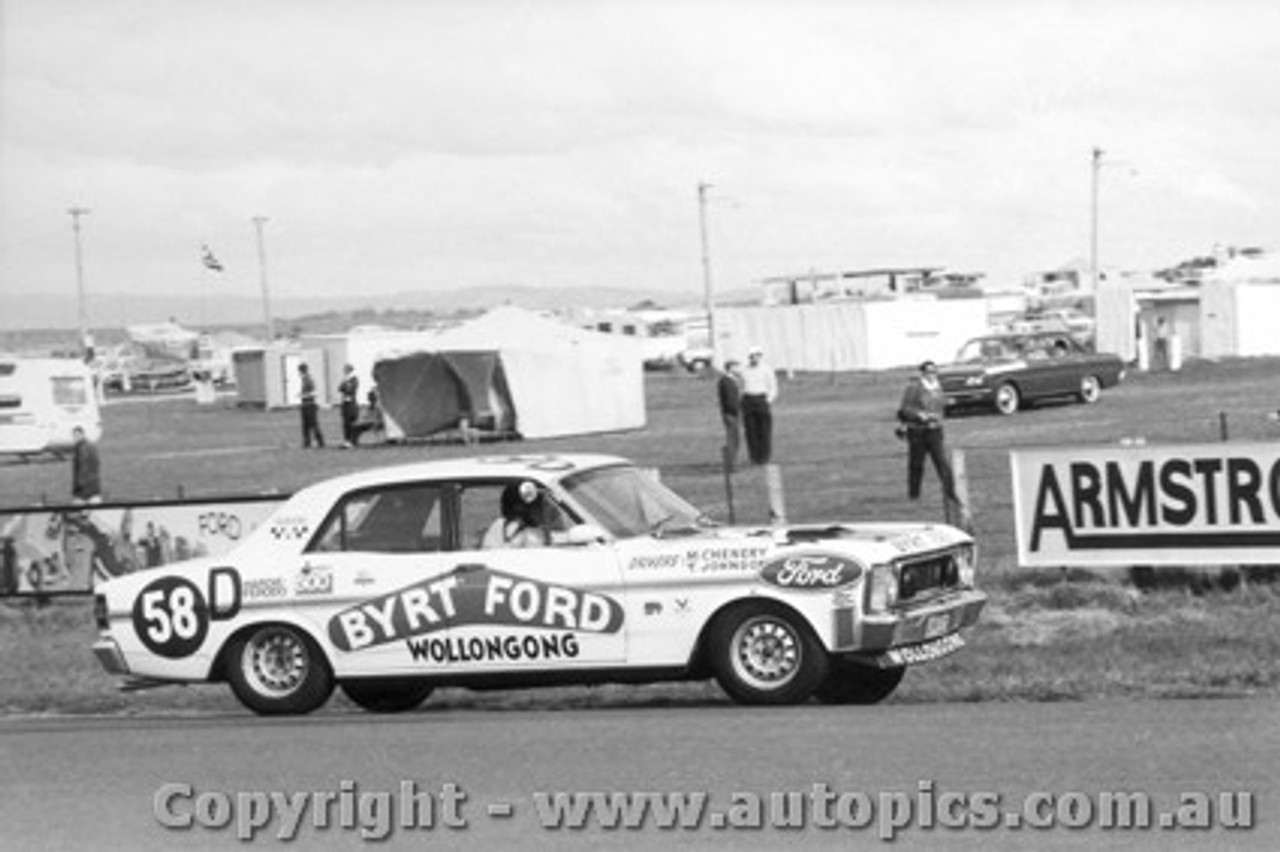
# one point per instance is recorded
(428, 392)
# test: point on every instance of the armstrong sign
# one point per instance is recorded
(1203, 504)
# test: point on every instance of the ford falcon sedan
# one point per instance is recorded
(389, 583)
(1007, 371)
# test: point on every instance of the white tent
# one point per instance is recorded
(852, 335)
(563, 380)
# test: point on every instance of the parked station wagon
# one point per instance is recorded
(390, 583)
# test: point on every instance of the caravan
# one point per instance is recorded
(41, 401)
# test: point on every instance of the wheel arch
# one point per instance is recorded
(218, 670)
(698, 660)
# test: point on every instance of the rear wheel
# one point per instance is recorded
(1007, 398)
(763, 654)
(277, 669)
(853, 683)
(387, 696)
(1090, 389)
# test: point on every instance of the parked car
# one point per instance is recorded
(381, 583)
(1009, 370)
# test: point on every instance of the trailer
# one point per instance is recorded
(41, 401)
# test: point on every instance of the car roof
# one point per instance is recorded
(542, 467)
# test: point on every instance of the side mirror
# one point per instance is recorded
(581, 534)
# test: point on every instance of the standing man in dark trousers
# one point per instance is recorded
(759, 390)
(349, 389)
(86, 469)
(310, 411)
(923, 407)
(729, 392)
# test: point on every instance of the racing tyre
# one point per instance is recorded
(1090, 389)
(277, 669)
(762, 654)
(1007, 398)
(387, 696)
(851, 683)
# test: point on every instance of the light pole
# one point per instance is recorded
(259, 222)
(1093, 219)
(708, 290)
(82, 321)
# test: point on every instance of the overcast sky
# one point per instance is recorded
(398, 145)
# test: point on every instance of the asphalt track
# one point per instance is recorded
(92, 783)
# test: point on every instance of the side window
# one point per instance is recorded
(400, 519)
(479, 506)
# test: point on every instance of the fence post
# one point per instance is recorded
(727, 467)
(957, 514)
(1222, 426)
(777, 501)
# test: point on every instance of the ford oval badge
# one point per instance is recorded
(814, 572)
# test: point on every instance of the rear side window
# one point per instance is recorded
(400, 519)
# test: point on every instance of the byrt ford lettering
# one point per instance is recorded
(481, 597)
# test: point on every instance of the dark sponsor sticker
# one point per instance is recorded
(810, 572)
(472, 595)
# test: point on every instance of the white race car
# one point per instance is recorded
(528, 570)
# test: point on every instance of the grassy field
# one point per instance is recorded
(1045, 636)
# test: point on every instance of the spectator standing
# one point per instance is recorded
(310, 410)
(922, 410)
(86, 469)
(759, 391)
(729, 393)
(1162, 355)
(349, 390)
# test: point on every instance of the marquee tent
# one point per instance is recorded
(513, 370)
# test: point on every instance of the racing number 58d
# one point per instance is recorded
(171, 618)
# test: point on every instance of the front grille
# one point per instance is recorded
(934, 572)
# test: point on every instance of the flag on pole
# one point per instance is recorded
(210, 261)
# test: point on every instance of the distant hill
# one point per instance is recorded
(25, 311)
(30, 322)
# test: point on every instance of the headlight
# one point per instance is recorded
(967, 563)
(975, 381)
(882, 590)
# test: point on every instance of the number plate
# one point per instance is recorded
(925, 652)
(936, 625)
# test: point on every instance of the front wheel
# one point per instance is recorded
(386, 696)
(1007, 398)
(1090, 389)
(853, 683)
(277, 669)
(762, 654)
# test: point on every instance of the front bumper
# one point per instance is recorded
(870, 638)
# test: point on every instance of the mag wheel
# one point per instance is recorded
(1090, 389)
(762, 654)
(852, 683)
(1007, 398)
(387, 696)
(277, 669)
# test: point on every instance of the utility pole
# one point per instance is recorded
(269, 326)
(82, 324)
(708, 292)
(1093, 219)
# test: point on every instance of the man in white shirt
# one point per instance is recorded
(759, 390)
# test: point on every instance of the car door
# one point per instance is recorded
(377, 579)
(550, 606)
